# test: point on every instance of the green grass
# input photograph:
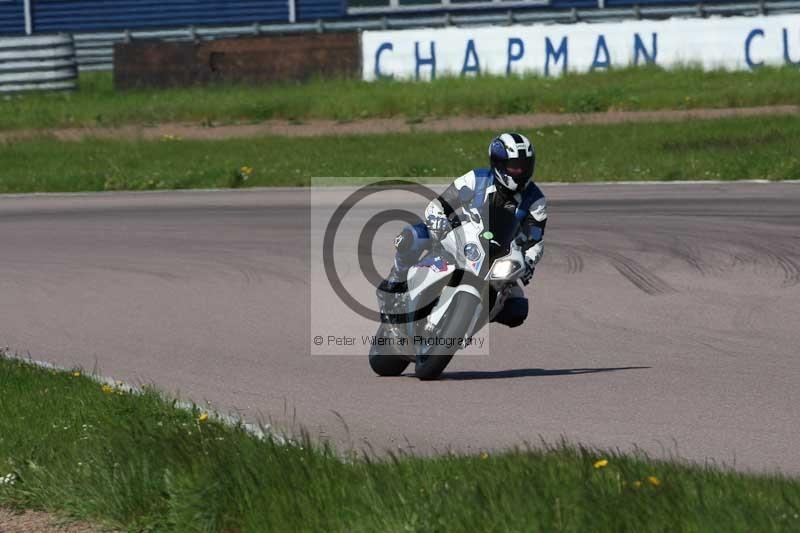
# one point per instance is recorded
(97, 104)
(135, 462)
(763, 148)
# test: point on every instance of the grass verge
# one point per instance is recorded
(136, 462)
(728, 149)
(97, 104)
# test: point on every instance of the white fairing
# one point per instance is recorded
(455, 241)
(444, 302)
(421, 277)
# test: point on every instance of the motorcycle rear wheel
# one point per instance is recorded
(386, 360)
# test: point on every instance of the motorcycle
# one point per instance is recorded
(459, 286)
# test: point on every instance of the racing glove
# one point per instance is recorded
(437, 222)
(532, 257)
(534, 254)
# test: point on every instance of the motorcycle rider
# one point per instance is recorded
(512, 201)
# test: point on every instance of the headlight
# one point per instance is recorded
(504, 268)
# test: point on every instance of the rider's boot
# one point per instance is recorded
(392, 301)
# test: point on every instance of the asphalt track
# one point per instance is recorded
(664, 316)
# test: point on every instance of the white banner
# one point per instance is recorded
(739, 43)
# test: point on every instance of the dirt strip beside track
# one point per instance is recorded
(317, 127)
(38, 522)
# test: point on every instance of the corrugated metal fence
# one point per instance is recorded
(93, 15)
(47, 16)
(37, 63)
(80, 16)
(12, 17)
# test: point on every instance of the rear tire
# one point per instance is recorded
(386, 360)
(458, 318)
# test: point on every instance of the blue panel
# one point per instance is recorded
(621, 3)
(98, 15)
(92, 15)
(320, 9)
(580, 4)
(12, 17)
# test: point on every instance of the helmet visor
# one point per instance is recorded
(519, 169)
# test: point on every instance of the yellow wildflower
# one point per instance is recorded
(484, 455)
(203, 418)
(107, 389)
(76, 374)
(600, 463)
(654, 481)
(637, 484)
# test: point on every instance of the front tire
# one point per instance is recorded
(386, 360)
(458, 319)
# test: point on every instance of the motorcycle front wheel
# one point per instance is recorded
(431, 363)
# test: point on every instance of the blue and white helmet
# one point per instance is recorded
(512, 159)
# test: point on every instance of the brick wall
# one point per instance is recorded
(240, 60)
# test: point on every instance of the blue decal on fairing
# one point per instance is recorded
(437, 264)
(472, 252)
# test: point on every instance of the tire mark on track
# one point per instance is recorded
(640, 276)
(774, 256)
(745, 250)
(574, 261)
(637, 274)
(790, 269)
(691, 255)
